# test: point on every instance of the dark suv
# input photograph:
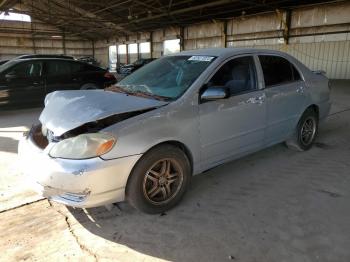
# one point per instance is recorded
(129, 68)
(36, 56)
(25, 82)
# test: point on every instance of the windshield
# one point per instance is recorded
(168, 77)
(7, 65)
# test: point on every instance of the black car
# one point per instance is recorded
(129, 68)
(89, 60)
(3, 61)
(43, 56)
(25, 82)
(36, 56)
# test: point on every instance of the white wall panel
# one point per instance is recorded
(332, 57)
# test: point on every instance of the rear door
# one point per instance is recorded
(235, 125)
(59, 75)
(89, 74)
(22, 85)
(284, 89)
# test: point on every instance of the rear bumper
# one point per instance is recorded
(79, 183)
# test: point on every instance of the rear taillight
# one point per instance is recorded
(109, 75)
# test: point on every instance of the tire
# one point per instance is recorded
(152, 186)
(306, 131)
(89, 86)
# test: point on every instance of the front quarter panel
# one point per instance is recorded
(176, 121)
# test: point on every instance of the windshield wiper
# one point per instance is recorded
(147, 94)
(115, 88)
(119, 89)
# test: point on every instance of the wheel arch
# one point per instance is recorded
(175, 143)
(315, 108)
(179, 145)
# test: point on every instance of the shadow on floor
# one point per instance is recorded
(8, 144)
(235, 211)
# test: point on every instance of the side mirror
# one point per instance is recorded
(10, 76)
(214, 93)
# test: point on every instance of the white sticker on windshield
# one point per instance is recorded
(201, 58)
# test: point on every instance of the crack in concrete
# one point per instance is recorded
(22, 205)
(71, 230)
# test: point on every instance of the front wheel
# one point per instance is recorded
(159, 179)
(306, 131)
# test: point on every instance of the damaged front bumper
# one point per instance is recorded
(79, 183)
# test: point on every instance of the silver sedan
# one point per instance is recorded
(143, 139)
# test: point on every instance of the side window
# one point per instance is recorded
(58, 68)
(27, 69)
(76, 67)
(277, 70)
(296, 74)
(238, 75)
(88, 67)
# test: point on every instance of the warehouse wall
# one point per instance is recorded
(319, 36)
(101, 51)
(204, 35)
(17, 38)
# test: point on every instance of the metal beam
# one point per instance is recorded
(184, 10)
(6, 4)
(85, 13)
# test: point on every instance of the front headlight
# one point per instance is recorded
(83, 146)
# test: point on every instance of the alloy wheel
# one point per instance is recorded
(308, 131)
(162, 181)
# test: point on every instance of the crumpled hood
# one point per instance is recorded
(66, 110)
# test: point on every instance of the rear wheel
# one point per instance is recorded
(89, 86)
(159, 179)
(306, 131)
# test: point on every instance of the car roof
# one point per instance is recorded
(47, 58)
(54, 59)
(226, 52)
(43, 56)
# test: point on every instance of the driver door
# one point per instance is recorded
(233, 126)
(23, 85)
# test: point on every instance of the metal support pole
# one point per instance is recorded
(182, 38)
(64, 42)
(118, 58)
(151, 43)
(287, 26)
(33, 38)
(225, 33)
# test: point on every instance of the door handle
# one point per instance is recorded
(257, 100)
(300, 89)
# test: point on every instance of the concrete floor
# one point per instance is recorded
(274, 205)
